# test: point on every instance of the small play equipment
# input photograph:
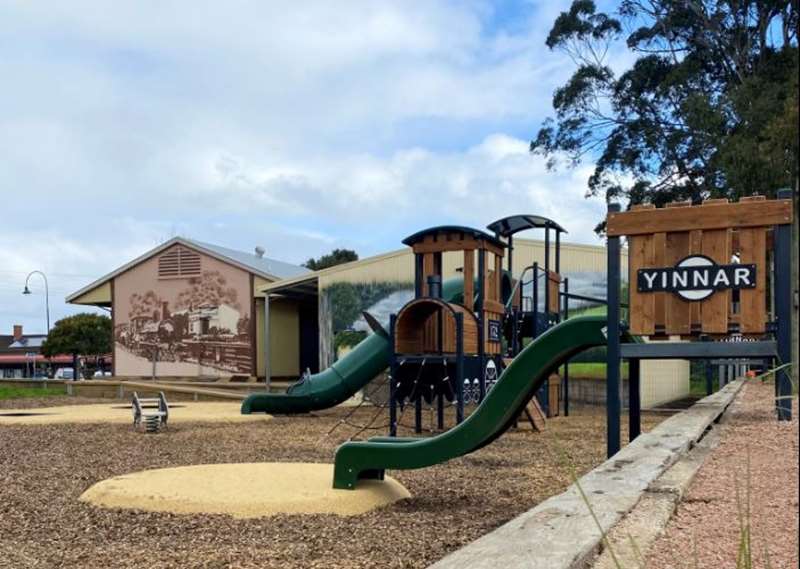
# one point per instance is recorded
(344, 378)
(496, 414)
(440, 348)
(717, 275)
(150, 414)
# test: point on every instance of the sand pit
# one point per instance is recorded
(250, 490)
(213, 412)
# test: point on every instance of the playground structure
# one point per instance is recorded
(440, 347)
(686, 263)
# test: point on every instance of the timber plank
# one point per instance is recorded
(752, 301)
(716, 245)
(754, 213)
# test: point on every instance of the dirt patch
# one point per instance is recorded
(248, 490)
(708, 516)
(46, 468)
(225, 411)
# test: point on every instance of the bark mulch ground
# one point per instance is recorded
(44, 469)
(705, 527)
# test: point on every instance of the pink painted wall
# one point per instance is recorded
(196, 326)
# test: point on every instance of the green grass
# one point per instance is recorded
(592, 370)
(7, 392)
(599, 310)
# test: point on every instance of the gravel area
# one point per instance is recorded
(46, 468)
(706, 521)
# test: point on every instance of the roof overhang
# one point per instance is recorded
(298, 288)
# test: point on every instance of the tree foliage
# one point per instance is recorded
(81, 334)
(335, 257)
(708, 107)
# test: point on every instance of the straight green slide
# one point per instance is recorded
(345, 377)
(514, 389)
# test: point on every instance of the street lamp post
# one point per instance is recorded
(26, 290)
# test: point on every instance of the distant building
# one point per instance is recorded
(20, 355)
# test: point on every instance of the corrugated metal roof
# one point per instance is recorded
(264, 265)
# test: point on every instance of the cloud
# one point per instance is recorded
(299, 127)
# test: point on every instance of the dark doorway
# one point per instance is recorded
(309, 336)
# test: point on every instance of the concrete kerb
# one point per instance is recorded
(560, 533)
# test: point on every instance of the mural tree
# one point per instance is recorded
(144, 305)
(211, 288)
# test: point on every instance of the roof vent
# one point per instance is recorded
(260, 252)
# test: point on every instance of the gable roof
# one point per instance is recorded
(270, 269)
(261, 265)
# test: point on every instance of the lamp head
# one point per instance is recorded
(26, 290)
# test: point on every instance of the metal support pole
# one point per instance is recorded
(392, 379)
(547, 274)
(709, 378)
(565, 379)
(459, 368)
(783, 313)
(535, 301)
(511, 255)
(634, 399)
(613, 403)
(267, 355)
(440, 411)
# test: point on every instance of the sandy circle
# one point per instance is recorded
(201, 411)
(249, 490)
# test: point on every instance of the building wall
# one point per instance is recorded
(156, 313)
(284, 338)
(663, 381)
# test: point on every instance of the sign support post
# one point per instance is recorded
(613, 403)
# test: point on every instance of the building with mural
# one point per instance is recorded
(187, 309)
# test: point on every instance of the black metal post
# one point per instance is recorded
(565, 379)
(613, 403)
(392, 379)
(459, 368)
(547, 274)
(783, 313)
(418, 270)
(558, 251)
(709, 378)
(511, 255)
(418, 414)
(634, 400)
(535, 301)
(440, 411)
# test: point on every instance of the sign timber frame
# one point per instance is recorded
(745, 250)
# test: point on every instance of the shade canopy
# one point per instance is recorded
(512, 224)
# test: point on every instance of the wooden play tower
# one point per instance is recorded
(440, 345)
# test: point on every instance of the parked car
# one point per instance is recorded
(66, 373)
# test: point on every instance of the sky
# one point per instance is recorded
(299, 127)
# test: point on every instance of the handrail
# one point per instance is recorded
(520, 282)
(589, 298)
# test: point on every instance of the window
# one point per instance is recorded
(179, 262)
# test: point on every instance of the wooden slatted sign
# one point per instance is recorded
(699, 269)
